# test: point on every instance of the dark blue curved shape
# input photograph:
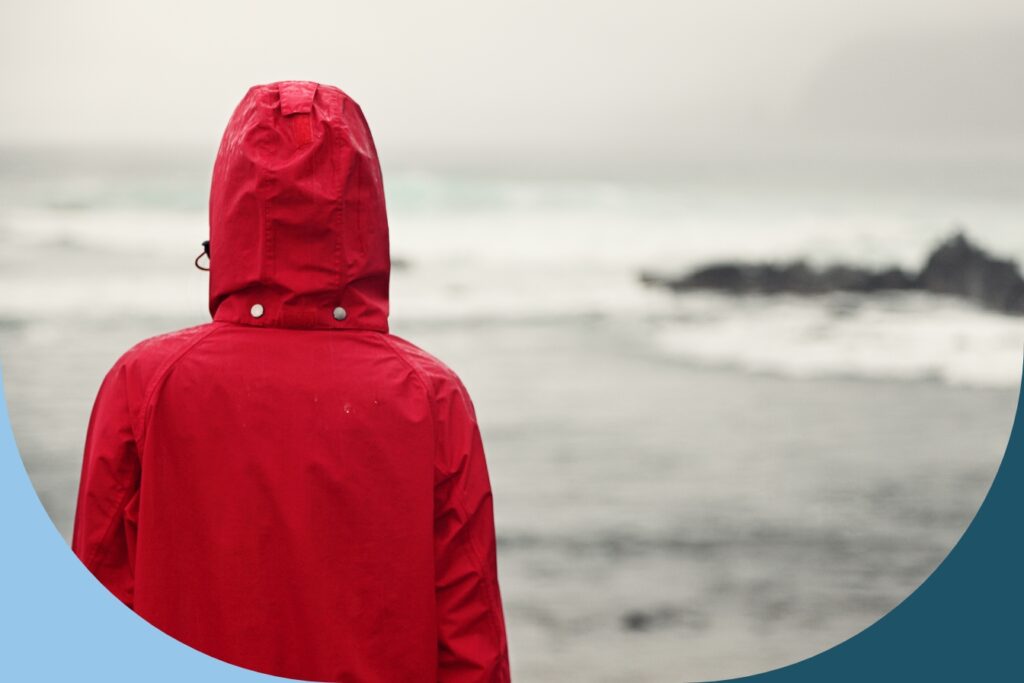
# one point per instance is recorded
(964, 623)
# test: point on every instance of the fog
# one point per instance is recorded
(545, 85)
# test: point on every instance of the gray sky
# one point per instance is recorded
(553, 82)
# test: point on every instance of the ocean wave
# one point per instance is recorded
(906, 336)
(570, 265)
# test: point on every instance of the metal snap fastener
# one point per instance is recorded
(256, 310)
(340, 313)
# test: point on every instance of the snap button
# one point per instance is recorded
(340, 313)
(256, 310)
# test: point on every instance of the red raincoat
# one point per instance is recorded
(289, 487)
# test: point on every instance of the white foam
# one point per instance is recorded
(905, 336)
(517, 254)
(150, 233)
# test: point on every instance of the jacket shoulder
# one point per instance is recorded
(441, 381)
(132, 378)
(423, 362)
(452, 409)
(149, 355)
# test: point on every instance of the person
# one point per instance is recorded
(290, 487)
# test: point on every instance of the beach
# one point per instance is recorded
(686, 486)
(678, 519)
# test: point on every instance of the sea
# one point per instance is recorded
(688, 486)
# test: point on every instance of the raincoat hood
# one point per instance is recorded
(298, 228)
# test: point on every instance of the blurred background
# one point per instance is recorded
(696, 476)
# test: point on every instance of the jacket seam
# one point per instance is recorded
(161, 374)
(475, 555)
(435, 437)
(100, 549)
(380, 329)
(486, 583)
(400, 355)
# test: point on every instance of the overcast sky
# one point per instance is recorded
(552, 81)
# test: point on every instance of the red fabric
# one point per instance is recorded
(293, 493)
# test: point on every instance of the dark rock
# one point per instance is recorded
(956, 267)
(797, 277)
(847, 279)
(959, 268)
(637, 621)
(665, 616)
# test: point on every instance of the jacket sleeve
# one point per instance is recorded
(104, 534)
(471, 626)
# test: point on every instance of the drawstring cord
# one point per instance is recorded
(206, 253)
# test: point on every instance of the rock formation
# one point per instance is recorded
(956, 267)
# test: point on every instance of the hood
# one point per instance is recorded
(298, 228)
